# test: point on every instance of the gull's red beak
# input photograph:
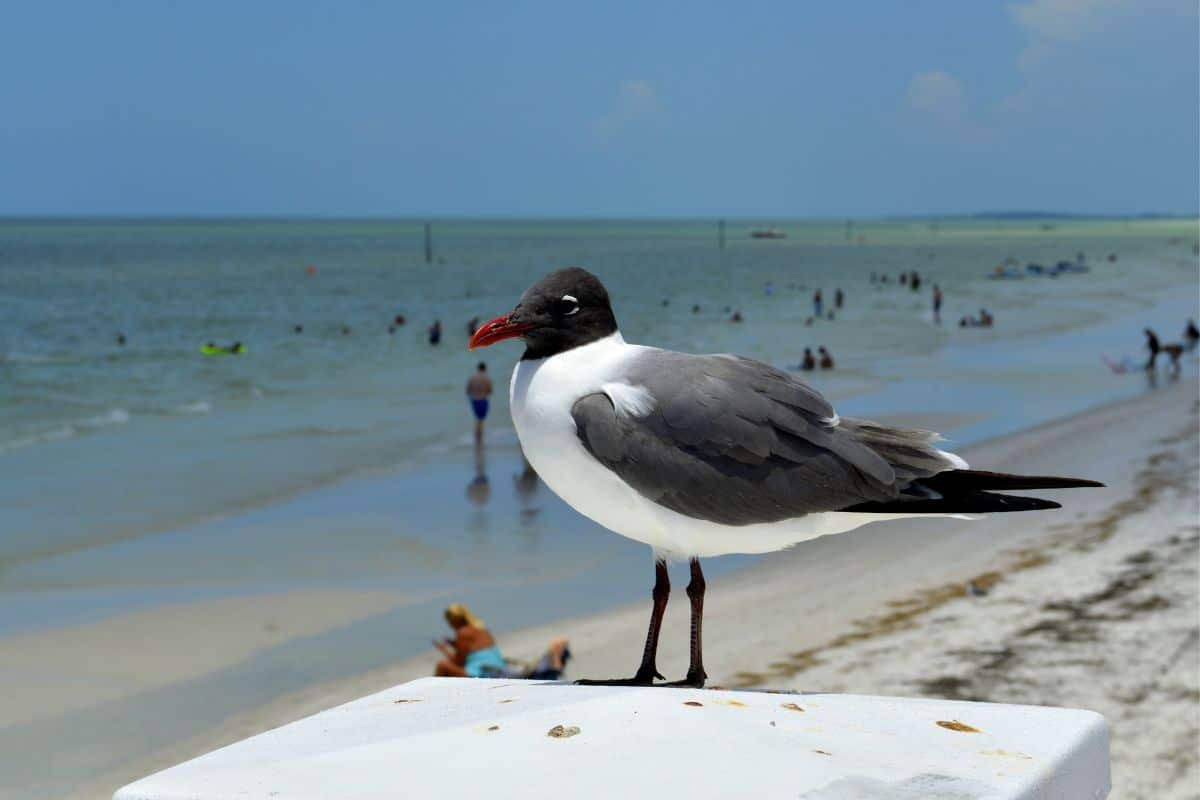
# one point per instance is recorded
(499, 328)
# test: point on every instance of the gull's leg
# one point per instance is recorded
(695, 591)
(647, 672)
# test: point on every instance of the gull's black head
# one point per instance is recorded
(567, 308)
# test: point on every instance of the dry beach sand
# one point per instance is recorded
(1093, 606)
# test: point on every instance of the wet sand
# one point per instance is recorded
(1093, 606)
(59, 672)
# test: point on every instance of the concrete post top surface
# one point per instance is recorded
(447, 737)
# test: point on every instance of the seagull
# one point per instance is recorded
(707, 455)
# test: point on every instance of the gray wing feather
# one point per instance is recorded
(733, 441)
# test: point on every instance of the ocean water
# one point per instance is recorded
(86, 424)
(147, 474)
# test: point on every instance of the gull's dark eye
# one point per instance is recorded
(566, 305)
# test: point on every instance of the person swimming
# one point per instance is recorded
(826, 359)
(810, 362)
(737, 317)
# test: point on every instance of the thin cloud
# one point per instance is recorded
(1061, 37)
(636, 104)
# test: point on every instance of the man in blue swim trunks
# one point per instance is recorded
(479, 389)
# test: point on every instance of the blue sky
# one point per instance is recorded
(609, 109)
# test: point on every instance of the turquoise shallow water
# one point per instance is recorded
(137, 476)
(102, 443)
(194, 436)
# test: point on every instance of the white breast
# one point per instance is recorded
(542, 394)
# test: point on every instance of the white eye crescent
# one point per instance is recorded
(566, 298)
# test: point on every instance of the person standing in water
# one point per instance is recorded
(479, 389)
(826, 361)
(937, 304)
(817, 304)
(838, 299)
(435, 332)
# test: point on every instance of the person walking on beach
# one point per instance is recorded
(479, 389)
(1173, 351)
(817, 304)
(937, 304)
(1152, 344)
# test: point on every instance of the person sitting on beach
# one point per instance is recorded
(1191, 334)
(826, 359)
(809, 362)
(473, 652)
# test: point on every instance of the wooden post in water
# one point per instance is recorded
(721, 234)
(428, 244)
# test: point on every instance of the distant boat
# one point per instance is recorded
(1002, 273)
(767, 233)
(1069, 266)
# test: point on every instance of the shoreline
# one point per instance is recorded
(824, 599)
